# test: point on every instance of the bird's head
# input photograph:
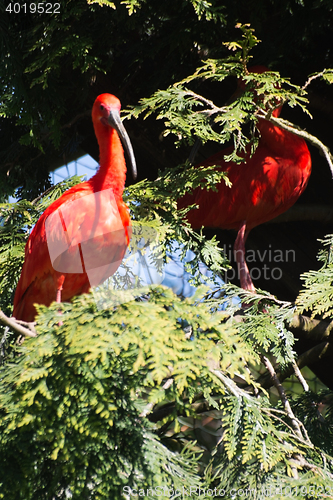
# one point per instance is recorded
(106, 116)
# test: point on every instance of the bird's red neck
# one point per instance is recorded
(112, 166)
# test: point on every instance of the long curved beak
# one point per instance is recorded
(115, 121)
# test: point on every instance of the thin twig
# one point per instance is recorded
(283, 396)
(306, 359)
(209, 103)
(150, 406)
(311, 78)
(13, 325)
(252, 296)
(230, 384)
(300, 377)
(36, 200)
(271, 412)
(301, 133)
(48, 190)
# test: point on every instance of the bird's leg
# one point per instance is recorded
(58, 298)
(239, 251)
(60, 283)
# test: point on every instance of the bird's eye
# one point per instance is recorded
(101, 107)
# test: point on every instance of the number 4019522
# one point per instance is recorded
(33, 8)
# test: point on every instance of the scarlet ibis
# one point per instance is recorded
(81, 238)
(264, 186)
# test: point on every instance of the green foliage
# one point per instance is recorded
(317, 294)
(206, 9)
(88, 377)
(72, 401)
(188, 115)
(328, 75)
(316, 411)
(102, 2)
(202, 8)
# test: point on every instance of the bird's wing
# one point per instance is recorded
(93, 220)
(262, 188)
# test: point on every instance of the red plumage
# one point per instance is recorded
(86, 231)
(264, 186)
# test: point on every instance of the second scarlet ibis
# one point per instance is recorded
(263, 186)
(81, 238)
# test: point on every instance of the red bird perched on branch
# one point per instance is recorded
(81, 238)
(264, 186)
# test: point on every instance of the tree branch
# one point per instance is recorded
(309, 328)
(307, 358)
(214, 109)
(280, 122)
(300, 377)
(14, 325)
(283, 396)
(150, 406)
(323, 213)
(313, 77)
